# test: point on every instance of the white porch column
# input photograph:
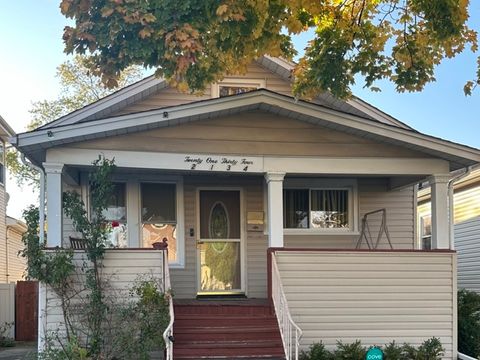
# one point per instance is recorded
(54, 203)
(440, 211)
(275, 208)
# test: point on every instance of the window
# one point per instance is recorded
(426, 232)
(236, 86)
(116, 215)
(318, 209)
(159, 216)
(233, 90)
(2, 162)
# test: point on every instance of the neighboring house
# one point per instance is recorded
(466, 200)
(12, 266)
(15, 264)
(245, 169)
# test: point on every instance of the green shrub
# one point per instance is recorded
(354, 351)
(430, 349)
(469, 323)
(6, 341)
(393, 351)
(316, 351)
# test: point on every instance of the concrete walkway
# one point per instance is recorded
(22, 351)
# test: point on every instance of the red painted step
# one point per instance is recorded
(245, 329)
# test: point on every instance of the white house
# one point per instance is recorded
(247, 168)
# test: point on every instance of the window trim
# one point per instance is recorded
(326, 184)
(237, 82)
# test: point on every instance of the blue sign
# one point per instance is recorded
(374, 354)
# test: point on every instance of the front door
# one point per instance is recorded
(220, 245)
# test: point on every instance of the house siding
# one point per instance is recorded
(122, 267)
(16, 263)
(171, 96)
(3, 236)
(372, 297)
(467, 244)
(251, 133)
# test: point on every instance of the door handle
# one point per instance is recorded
(199, 244)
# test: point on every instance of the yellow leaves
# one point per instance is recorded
(467, 89)
(230, 11)
(222, 9)
(65, 6)
(294, 25)
(148, 18)
(145, 32)
(182, 86)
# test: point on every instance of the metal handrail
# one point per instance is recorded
(168, 333)
(289, 330)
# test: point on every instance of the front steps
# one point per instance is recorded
(230, 329)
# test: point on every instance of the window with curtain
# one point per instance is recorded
(116, 215)
(159, 216)
(316, 209)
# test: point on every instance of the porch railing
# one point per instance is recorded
(290, 332)
(168, 333)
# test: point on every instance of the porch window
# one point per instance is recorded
(116, 215)
(426, 232)
(316, 209)
(159, 216)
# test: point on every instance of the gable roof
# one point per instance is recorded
(34, 143)
(6, 131)
(142, 89)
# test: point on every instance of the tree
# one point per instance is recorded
(195, 42)
(78, 88)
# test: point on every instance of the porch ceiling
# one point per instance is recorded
(34, 144)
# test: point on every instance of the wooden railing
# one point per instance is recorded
(289, 330)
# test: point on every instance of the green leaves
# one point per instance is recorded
(195, 42)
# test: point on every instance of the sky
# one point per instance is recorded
(31, 48)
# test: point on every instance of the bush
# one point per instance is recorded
(469, 323)
(430, 349)
(6, 341)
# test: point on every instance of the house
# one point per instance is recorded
(466, 204)
(12, 266)
(261, 198)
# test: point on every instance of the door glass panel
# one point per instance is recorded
(219, 222)
(219, 214)
(220, 266)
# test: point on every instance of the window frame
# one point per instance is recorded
(237, 82)
(179, 213)
(423, 233)
(326, 184)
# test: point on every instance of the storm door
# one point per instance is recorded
(220, 246)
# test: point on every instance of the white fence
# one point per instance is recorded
(7, 307)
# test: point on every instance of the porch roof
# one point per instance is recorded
(35, 143)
